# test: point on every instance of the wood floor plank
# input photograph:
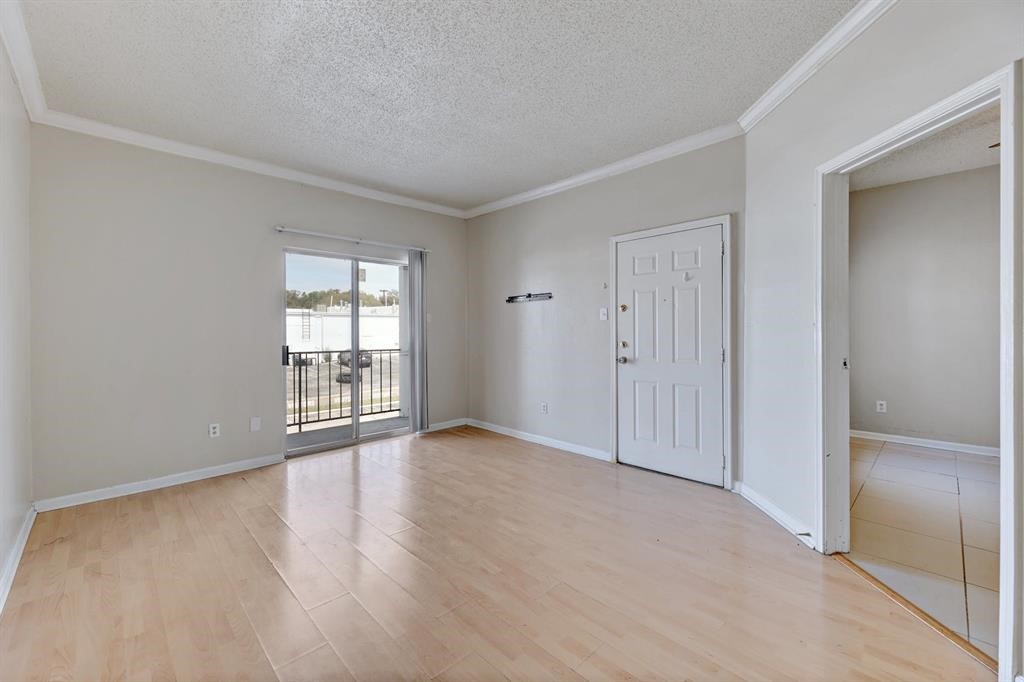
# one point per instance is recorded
(367, 650)
(472, 668)
(320, 665)
(307, 578)
(458, 555)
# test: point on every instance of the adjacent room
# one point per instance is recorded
(505, 340)
(924, 374)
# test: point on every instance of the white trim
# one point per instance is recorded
(86, 126)
(23, 62)
(725, 221)
(542, 440)
(1011, 372)
(450, 424)
(19, 47)
(122, 489)
(928, 443)
(831, 320)
(15, 36)
(14, 557)
(775, 513)
(685, 145)
(832, 43)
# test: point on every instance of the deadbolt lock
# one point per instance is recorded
(623, 307)
(625, 344)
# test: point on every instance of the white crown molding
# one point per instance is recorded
(865, 13)
(19, 48)
(15, 36)
(23, 62)
(96, 129)
(682, 146)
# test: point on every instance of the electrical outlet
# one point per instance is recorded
(881, 406)
(543, 408)
(255, 423)
(214, 430)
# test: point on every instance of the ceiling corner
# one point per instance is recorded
(863, 15)
(19, 49)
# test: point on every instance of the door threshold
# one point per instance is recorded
(319, 447)
(968, 648)
(341, 445)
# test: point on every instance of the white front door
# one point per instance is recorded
(670, 353)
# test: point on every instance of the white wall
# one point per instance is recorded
(189, 248)
(924, 308)
(915, 55)
(15, 349)
(559, 351)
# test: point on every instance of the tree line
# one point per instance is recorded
(310, 300)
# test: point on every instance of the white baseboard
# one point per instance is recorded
(154, 483)
(450, 424)
(10, 567)
(603, 455)
(780, 517)
(928, 443)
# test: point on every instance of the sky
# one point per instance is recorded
(317, 273)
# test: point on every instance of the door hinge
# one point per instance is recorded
(723, 356)
(723, 248)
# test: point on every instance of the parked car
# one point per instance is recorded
(345, 358)
(344, 376)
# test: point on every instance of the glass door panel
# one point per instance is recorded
(318, 357)
(381, 328)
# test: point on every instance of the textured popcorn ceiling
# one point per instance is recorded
(457, 102)
(959, 147)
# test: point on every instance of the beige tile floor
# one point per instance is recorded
(926, 523)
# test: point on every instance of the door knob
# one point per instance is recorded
(622, 360)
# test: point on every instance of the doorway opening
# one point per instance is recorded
(895, 456)
(924, 375)
(346, 352)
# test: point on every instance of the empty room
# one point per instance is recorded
(498, 340)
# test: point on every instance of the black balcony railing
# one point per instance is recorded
(319, 384)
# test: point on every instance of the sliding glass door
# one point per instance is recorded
(380, 344)
(346, 350)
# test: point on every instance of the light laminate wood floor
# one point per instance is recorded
(460, 555)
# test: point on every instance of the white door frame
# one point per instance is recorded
(613, 242)
(832, 333)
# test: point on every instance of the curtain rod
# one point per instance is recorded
(356, 240)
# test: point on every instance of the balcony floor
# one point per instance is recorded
(316, 438)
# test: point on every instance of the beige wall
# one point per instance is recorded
(157, 289)
(924, 308)
(914, 56)
(558, 351)
(15, 418)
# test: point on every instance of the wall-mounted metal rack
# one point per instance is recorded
(529, 298)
